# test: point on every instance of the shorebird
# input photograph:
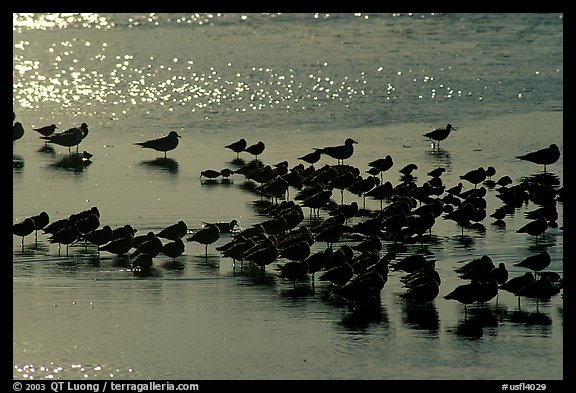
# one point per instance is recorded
(382, 164)
(466, 293)
(424, 292)
(535, 228)
(174, 248)
(224, 227)
(99, 237)
(118, 246)
(546, 156)
(153, 247)
(439, 134)
(342, 152)
(174, 231)
(17, 131)
(46, 130)
(23, 228)
(70, 137)
(165, 143)
(206, 236)
(66, 236)
(536, 262)
(256, 149)
(40, 222)
(313, 157)
(237, 147)
(475, 176)
(210, 174)
(338, 275)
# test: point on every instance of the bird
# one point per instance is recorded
(342, 152)
(206, 236)
(312, 157)
(535, 227)
(46, 130)
(382, 164)
(118, 246)
(87, 224)
(256, 149)
(536, 262)
(152, 247)
(546, 156)
(174, 231)
(210, 174)
(17, 131)
(237, 147)
(165, 143)
(23, 228)
(224, 227)
(69, 138)
(263, 253)
(296, 252)
(99, 237)
(40, 222)
(174, 248)
(439, 134)
(437, 172)
(66, 236)
(466, 293)
(514, 285)
(475, 176)
(293, 270)
(424, 292)
(338, 275)
(408, 169)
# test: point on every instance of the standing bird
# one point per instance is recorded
(546, 156)
(166, 143)
(17, 131)
(536, 262)
(23, 228)
(69, 138)
(173, 232)
(439, 134)
(237, 147)
(313, 157)
(535, 228)
(173, 249)
(46, 130)
(475, 176)
(466, 293)
(40, 222)
(256, 149)
(206, 236)
(342, 152)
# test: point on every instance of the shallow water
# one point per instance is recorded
(310, 81)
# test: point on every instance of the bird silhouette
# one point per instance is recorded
(237, 147)
(439, 134)
(546, 156)
(163, 144)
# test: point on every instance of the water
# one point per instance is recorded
(294, 81)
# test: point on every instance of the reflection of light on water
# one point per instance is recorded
(33, 21)
(31, 371)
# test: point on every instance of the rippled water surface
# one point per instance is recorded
(295, 82)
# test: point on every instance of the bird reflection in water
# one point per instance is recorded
(169, 165)
(47, 149)
(475, 321)
(363, 314)
(17, 162)
(421, 316)
(73, 162)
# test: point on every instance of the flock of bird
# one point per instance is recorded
(356, 273)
